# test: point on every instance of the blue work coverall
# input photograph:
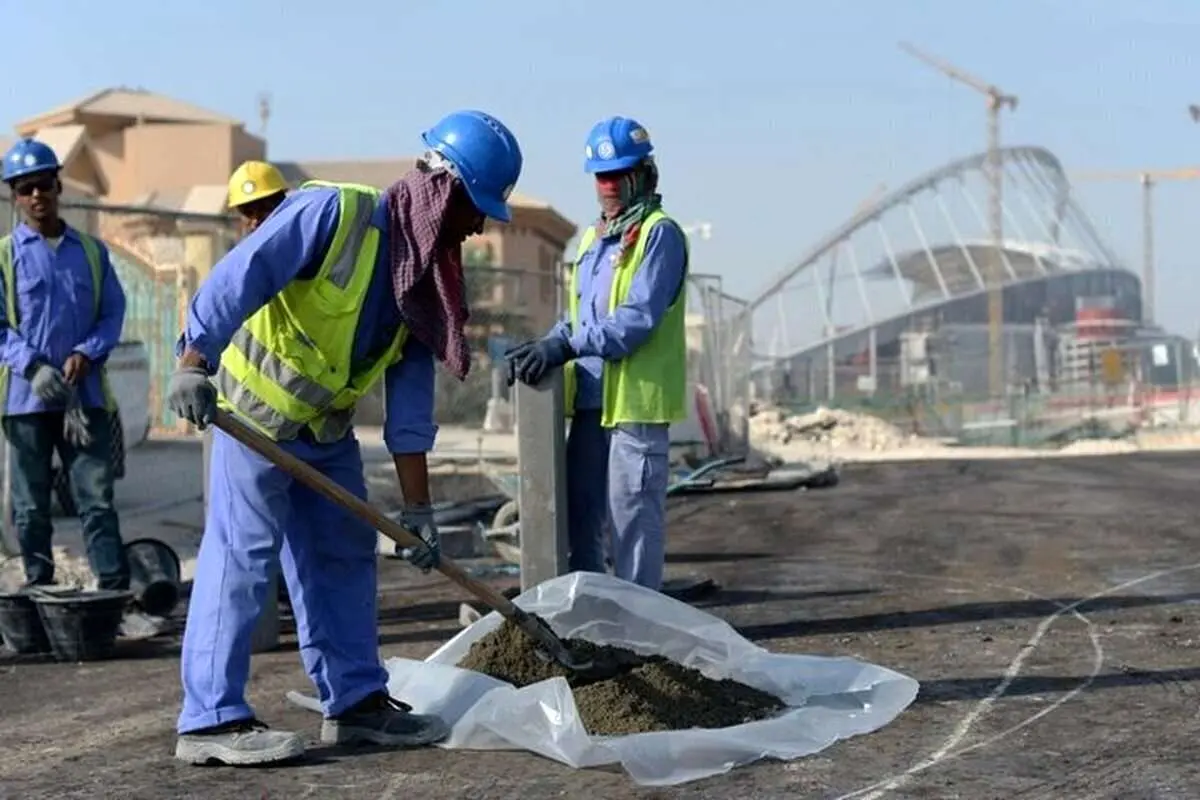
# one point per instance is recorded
(57, 316)
(619, 475)
(259, 517)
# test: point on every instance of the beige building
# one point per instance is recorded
(171, 160)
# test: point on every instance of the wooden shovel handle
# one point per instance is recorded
(338, 495)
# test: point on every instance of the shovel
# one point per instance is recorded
(549, 646)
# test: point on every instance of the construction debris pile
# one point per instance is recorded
(833, 429)
(656, 695)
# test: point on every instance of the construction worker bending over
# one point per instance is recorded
(63, 312)
(339, 288)
(256, 189)
(622, 341)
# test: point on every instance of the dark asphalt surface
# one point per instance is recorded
(1048, 608)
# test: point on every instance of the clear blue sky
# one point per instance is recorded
(772, 119)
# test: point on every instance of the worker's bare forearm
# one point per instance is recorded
(412, 469)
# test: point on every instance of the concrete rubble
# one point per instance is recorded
(834, 429)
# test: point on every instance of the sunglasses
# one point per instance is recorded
(43, 185)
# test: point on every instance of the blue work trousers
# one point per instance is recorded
(34, 438)
(618, 476)
(260, 519)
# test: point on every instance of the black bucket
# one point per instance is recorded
(21, 624)
(154, 576)
(81, 625)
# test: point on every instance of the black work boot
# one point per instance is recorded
(244, 742)
(383, 720)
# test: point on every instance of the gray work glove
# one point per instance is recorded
(192, 396)
(49, 384)
(418, 519)
(75, 423)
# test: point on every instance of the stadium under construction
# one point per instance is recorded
(894, 303)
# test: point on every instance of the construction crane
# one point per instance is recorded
(1147, 178)
(996, 102)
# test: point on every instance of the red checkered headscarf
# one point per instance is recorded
(427, 275)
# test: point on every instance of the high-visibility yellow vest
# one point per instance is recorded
(290, 365)
(650, 385)
(8, 273)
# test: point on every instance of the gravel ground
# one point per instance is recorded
(1047, 607)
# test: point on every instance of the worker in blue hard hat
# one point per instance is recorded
(339, 288)
(623, 346)
(63, 312)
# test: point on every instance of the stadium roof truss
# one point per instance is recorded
(926, 244)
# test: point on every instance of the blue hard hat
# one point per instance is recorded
(26, 157)
(486, 154)
(616, 143)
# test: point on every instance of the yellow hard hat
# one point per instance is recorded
(252, 181)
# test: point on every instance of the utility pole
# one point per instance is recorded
(997, 100)
(1148, 178)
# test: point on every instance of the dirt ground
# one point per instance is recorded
(1047, 607)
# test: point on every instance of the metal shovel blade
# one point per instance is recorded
(548, 644)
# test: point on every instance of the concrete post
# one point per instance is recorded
(266, 633)
(542, 460)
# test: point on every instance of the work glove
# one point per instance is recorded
(513, 357)
(75, 423)
(418, 519)
(191, 396)
(546, 354)
(49, 385)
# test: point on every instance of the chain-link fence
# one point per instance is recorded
(933, 386)
(719, 363)
(508, 305)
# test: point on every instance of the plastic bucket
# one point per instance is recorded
(21, 624)
(154, 576)
(81, 625)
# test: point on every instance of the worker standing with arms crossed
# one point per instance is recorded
(256, 189)
(339, 288)
(63, 313)
(623, 345)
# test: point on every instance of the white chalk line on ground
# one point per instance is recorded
(949, 749)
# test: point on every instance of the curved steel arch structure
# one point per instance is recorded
(930, 180)
(911, 250)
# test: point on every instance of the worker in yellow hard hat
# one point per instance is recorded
(256, 188)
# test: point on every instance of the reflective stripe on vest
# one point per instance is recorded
(8, 273)
(289, 366)
(342, 268)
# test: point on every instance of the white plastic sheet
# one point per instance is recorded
(828, 698)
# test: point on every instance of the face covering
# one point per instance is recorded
(626, 199)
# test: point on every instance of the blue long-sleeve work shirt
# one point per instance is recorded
(602, 336)
(57, 315)
(290, 244)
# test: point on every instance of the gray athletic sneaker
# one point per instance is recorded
(241, 743)
(385, 721)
